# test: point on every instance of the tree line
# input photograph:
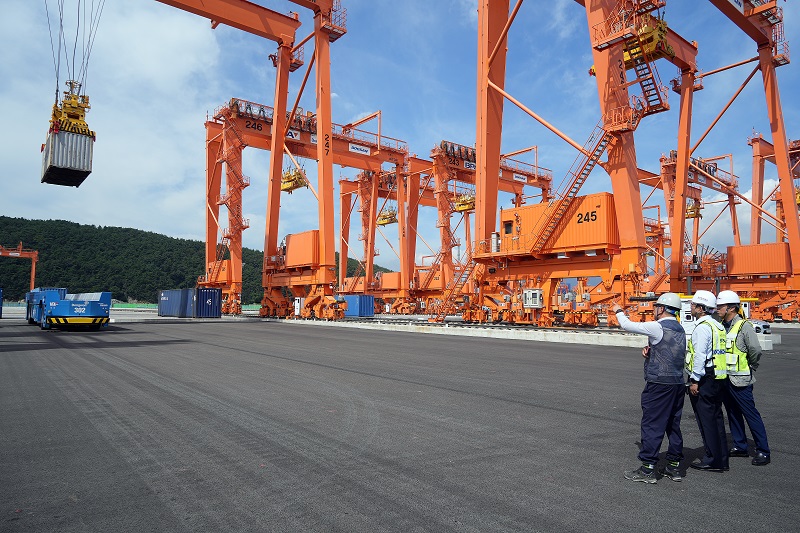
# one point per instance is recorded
(132, 264)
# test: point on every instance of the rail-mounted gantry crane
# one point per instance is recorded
(571, 236)
(313, 280)
(291, 270)
(445, 182)
(26, 253)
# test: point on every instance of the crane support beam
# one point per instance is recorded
(760, 33)
(492, 18)
(243, 15)
(316, 6)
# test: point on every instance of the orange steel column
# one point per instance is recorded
(402, 230)
(327, 252)
(781, 147)
(345, 210)
(758, 189)
(621, 165)
(737, 239)
(492, 17)
(369, 215)
(34, 258)
(276, 154)
(213, 188)
(443, 212)
(408, 260)
(678, 228)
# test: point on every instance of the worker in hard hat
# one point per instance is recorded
(664, 390)
(707, 367)
(743, 352)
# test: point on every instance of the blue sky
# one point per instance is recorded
(156, 72)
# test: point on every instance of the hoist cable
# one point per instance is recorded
(75, 43)
(95, 22)
(63, 38)
(56, 63)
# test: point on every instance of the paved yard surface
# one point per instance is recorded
(254, 426)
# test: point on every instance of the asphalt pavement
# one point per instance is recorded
(264, 426)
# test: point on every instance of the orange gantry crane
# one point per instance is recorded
(570, 236)
(314, 280)
(27, 253)
(293, 269)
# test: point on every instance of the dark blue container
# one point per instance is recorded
(208, 303)
(360, 305)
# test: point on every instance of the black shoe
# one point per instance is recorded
(705, 467)
(761, 459)
(671, 471)
(738, 452)
(643, 473)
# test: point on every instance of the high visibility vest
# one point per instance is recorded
(736, 359)
(718, 353)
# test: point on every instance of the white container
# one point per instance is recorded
(67, 158)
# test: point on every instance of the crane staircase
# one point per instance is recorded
(581, 168)
(453, 290)
(435, 266)
(654, 93)
(213, 274)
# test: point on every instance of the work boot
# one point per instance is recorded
(761, 459)
(645, 473)
(737, 452)
(672, 471)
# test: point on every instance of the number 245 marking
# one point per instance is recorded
(589, 216)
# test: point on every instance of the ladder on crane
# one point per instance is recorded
(583, 166)
(654, 97)
(454, 289)
(437, 261)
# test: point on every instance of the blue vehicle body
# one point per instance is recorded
(54, 308)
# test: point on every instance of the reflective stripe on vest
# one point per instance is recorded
(736, 358)
(718, 352)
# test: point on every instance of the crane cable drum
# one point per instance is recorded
(68, 150)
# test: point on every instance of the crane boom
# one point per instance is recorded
(243, 15)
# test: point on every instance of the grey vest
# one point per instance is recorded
(667, 358)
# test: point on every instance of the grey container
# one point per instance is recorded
(67, 158)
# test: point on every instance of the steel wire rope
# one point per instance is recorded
(77, 31)
(56, 62)
(94, 18)
(62, 39)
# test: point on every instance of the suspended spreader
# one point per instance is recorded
(67, 152)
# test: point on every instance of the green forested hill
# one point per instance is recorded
(133, 264)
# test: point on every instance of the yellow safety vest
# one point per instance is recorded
(718, 352)
(736, 359)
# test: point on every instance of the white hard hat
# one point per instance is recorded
(669, 299)
(705, 298)
(728, 297)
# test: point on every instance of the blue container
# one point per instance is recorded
(208, 303)
(190, 303)
(175, 303)
(360, 305)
